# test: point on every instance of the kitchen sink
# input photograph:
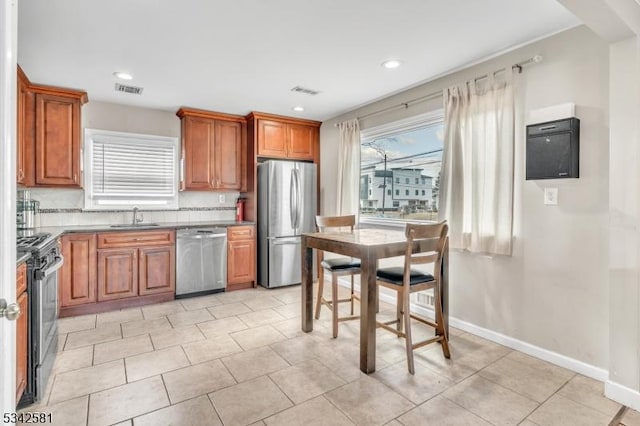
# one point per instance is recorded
(137, 225)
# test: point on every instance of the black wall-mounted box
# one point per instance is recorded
(553, 150)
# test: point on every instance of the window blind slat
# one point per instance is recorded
(133, 168)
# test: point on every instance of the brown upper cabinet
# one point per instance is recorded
(48, 135)
(213, 150)
(285, 137)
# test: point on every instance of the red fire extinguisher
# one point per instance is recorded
(240, 210)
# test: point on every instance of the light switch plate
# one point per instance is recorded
(551, 196)
(221, 198)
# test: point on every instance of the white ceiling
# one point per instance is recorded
(238, 56)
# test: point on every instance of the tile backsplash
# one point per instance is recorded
(60, 207)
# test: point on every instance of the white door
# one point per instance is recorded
(8, 54)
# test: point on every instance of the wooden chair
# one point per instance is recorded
(405, 281)
(337, 267)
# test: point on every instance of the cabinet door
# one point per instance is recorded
(301, 141)
(22, 344)
(57, 141)
(157, 270)
(228, 155)
(117, 273)
(24, 128)
(197, 145)
(21, 279)
(241, 261)
(272, 139)
(78, 284)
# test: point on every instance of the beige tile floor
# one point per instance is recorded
(240, 359)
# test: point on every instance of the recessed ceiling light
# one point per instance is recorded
(298, 108)
(391, 63)
(122, 75)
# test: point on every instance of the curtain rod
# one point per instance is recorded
(533, 60)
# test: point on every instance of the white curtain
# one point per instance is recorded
(348, 168)
(476, 195)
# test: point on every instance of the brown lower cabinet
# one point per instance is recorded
(154, 275)
(22, 331)
(113, 270)
(241, 257)
(117, 273)
(78, 274)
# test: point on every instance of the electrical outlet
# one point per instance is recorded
(551, 196)
(221, 198)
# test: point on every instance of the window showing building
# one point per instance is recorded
(400, 164)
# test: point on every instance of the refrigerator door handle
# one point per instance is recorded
(293, 207)
(286, 241)
(298, 197)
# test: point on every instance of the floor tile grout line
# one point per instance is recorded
(336, 407)
(88, 408)
(569, 396)
(619, 416)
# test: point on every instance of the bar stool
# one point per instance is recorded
(405, 281)
(337, 267)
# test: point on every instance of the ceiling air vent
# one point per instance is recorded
(304, 90)
(128, 89)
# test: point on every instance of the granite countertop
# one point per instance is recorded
(56, 231)
(22, 257)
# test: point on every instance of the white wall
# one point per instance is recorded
(125, 118)
(552, 293)
(624, 188)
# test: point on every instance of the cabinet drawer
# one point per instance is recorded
(21, 279)
(135, 239)
(235, 233)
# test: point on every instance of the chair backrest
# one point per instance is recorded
(324, 222)
(415, 233)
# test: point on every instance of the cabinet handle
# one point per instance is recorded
(75, 177)
(21, 175)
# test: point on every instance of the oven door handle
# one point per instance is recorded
(53, 268)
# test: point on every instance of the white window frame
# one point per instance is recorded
(403, 125)
(146, 203)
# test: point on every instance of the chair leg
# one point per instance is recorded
(320, 291)
(440, 321)
(334, 303)
(352, 294)
(407, 331)
(399, 312)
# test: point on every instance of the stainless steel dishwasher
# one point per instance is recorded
(201, 261)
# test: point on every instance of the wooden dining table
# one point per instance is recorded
(368, 245)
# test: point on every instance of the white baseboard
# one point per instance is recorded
(622, 394)
(564, 361)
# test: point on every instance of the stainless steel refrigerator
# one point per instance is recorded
(286, 209)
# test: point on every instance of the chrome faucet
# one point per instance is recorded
(136, 219)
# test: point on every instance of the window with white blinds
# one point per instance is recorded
(126, 169)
